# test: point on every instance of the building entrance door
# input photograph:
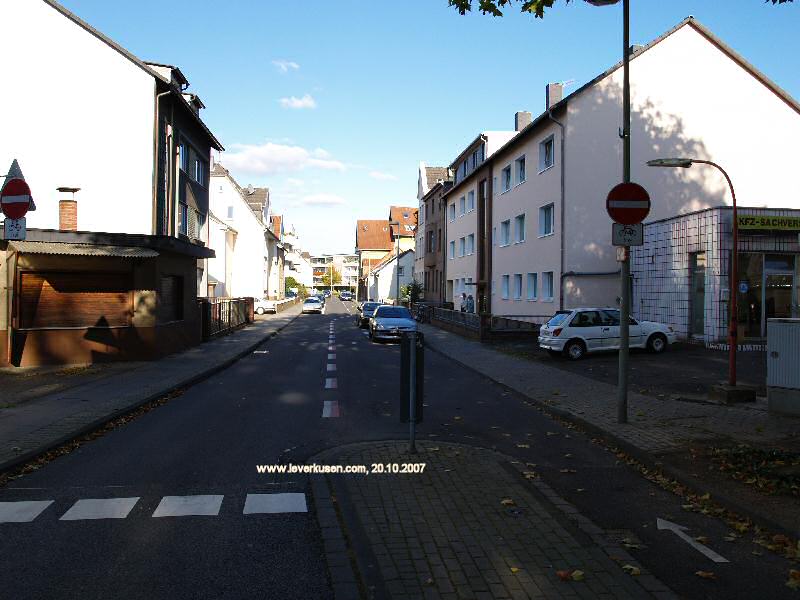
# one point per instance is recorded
(698, 270)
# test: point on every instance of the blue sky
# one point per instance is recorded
(332, 104)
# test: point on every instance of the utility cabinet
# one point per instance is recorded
(783, 366)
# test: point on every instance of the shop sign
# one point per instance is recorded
(768, 222)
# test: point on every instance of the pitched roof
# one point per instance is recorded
(255, 199)
(688, 21)
(436, 174)
(388, 259)
(138, 62)
(373, 235)
(407, 217)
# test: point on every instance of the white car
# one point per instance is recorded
(313, 305)
(576, 332)
(265, 306)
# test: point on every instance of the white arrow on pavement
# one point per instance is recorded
(680, 530)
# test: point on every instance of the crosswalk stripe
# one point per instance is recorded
(275, 503)
(23, 511)
(184, 506)
(100, 508)
(330, 383)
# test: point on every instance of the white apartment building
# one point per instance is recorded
(465, 215)
(692, 96)
(237, 236)
(297, 260)
(344, 264)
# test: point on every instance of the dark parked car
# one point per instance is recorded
(365, 313)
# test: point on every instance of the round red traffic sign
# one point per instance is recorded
(15, 198)
(628, 203)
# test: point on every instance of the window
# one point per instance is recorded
(475, 159)
(546, 220)
(505, 233)
(461, 246)
(170, 300)
(451, 209)
(470, 243)
(587, 318)
(520, 169)
(519, 229)
(453, 249)
(504, 287)
(532, 285)
(464, 169)
(183, 156)
(462, 205)
(506, 178)
(183, 218)
(230, 212)
(518, 286)
(199, 172)
(547, 285)
(494, 236)
(400, 270)
(471, 201)
(546, 154)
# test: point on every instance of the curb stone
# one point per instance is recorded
(96, 423)
(647, 459)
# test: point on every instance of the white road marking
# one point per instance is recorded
(330, 383)
(331, 356)
(331, 347)
(22, 512)
(330, 408)
(275, 503)
(679, 530)
(100, 508)
(331, 367)
(184, 506)
(260, 351)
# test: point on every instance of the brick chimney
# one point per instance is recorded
(554, 92)
(522, 119)
(68, 209)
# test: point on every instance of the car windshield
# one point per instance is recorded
(392, 312)
(311, 301)
(557, 320)
(370, 306)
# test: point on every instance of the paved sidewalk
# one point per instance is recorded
(40, 424)
(470, 526)
(656, 425)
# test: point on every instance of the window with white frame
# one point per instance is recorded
(547, 285)
(546, 154)
(461, 246)
(504, 284)
(519, 229)
(471, 201)
(183, 157)
(518, 286)
(505, 178)
(470, 243)
(199, 171)
(520, 164)
(451, 210)
(462, 205)
(453, 249)
(505, 233)
(546, 220)
(532, 286)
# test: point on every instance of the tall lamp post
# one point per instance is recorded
(686, 163)
(397, 260)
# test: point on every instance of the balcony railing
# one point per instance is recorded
(221, 315)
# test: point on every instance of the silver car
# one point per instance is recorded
(313, 305)
(390, 322)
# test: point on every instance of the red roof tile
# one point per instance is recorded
(373, 235)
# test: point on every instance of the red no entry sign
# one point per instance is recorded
(628, 203)
(15, 199)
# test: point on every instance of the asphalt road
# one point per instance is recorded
(268, 408)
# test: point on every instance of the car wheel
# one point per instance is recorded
(259, 311)
(575, 350)
(657, 343)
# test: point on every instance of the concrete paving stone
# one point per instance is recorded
(465, 592)
(346, 591)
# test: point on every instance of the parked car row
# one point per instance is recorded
(385, 321)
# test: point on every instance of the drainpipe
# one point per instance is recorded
(561, 227)
(155, 159)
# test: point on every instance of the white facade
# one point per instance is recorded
(241, 258)
(298, 262)
(419, 243)
(62, 129)
(382, 281)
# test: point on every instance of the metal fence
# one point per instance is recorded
(466, 320)
(221, 315)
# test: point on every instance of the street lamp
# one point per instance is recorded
(397, 260)
(685, 163)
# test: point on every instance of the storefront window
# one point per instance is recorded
(767, 288)
(749, 290)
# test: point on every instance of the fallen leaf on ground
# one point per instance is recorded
(523, 445)
(794, 579)
(506, 435)
(581, 490)
(552, 433)
(456, 418)
(530, 474)
(508, 502)
(631, 570)
(515, 569)
(564, 575)
(730, 538)
(567, 471)
(531, 465)
(568, 455)
(706, 574)
(429, 581)
(494, 427)
(578, 575)
(702, 539)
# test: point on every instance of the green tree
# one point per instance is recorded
(290, 282)
(337, 277)
(534, 7)
(412, 291)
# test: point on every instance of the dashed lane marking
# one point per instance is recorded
(331, 356)
(100, 508)
(330, 408)
(330, 383)
(331, 367)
